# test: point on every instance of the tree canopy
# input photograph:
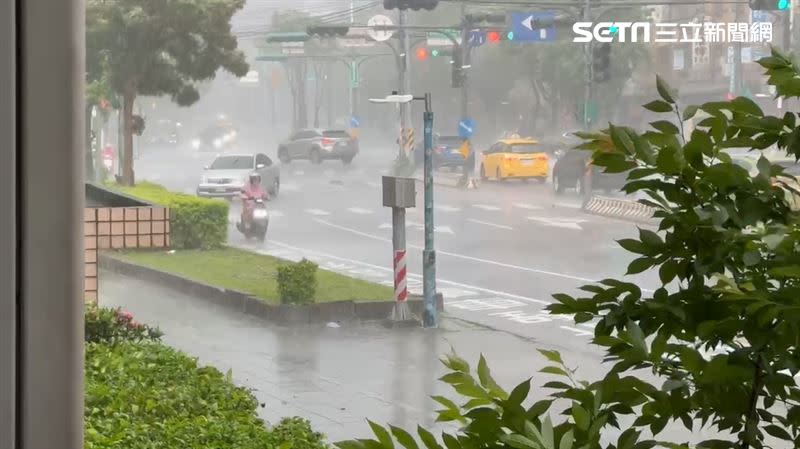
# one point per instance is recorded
(159, 47)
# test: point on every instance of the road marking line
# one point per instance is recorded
(360, 211)
(446, 208)
(476, 305)
(527, 206)
(299, 172)
(494, 225)
(415, 279)
(486, 207)
(580, 332)
(470, 258)
(559, 222)
(455, 292)
(568, 205)
(318, 212)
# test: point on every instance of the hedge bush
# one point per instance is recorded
(195, 223)
(147, 395)
(297, 282)
(111, 326)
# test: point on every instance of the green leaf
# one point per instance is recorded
(428, 439)
(639, 265)
(567, 441)
(658, 106)
(450, 441)
(519, 442)
(664, 90)
(668, 271)
(665, 126)
(632, 245)
(689, 112)
(746, 105)
(670, 160)
(636, 335)
(538, 408)
(520, 392)
(650, 238)
(456, 363)
(751, 258)
(552, 356)
(404, 438)
(581, 417)
(621, 139)
(778, 432)
(547, 433)
(554, 370)
(383, 435)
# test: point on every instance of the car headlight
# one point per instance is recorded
(217, 143)
(196, 143)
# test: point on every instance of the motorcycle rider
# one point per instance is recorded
(250, 192)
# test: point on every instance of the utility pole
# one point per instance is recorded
(405, 87)
(429, 318)
(464, 60)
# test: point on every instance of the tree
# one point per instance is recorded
(162, 47)
(720, 336)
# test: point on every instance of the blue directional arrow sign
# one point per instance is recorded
(527, 26)
(355, 122)
(476, 38)
(466, 127)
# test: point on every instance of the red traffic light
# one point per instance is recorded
(422, 53)
(493, 36)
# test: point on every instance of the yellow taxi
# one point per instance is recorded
(518, 158)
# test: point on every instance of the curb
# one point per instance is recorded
(617, 208)
(282, 314)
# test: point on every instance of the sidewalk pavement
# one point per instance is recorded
(335, 377)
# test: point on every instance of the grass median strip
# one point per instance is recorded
(251, 273)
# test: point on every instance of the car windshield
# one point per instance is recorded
(523, 148)
(338, 134)
(232, 163)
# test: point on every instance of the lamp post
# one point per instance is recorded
(429, 318)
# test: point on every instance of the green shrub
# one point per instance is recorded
(297, 282)
(298, 433)
(148, 395)
(195, 222)
(111, 326)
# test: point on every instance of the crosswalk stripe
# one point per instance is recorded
(318, 212)
(358, 210)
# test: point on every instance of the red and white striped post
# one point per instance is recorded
(400, 287)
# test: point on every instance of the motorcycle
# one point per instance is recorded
(258, 223)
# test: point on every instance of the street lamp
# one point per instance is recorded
(429, 318)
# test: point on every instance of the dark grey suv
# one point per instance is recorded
(317, 145)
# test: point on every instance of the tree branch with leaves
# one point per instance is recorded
(720, 337)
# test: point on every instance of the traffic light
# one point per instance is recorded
(601, 62)
(422, 53)
(769, 5)
(493, 36)
(328, 30)
(416, 5)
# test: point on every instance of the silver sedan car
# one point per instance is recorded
(225, 177)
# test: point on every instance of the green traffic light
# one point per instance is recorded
(783, 4)
(510, 34)
(435, 53)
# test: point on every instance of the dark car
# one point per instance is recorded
(570, 169)
(163, 132)
(317, 145)
(446, 152)
(216, 137)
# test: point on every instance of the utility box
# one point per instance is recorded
(399, 192)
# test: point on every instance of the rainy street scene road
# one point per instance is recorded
(441, 224)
